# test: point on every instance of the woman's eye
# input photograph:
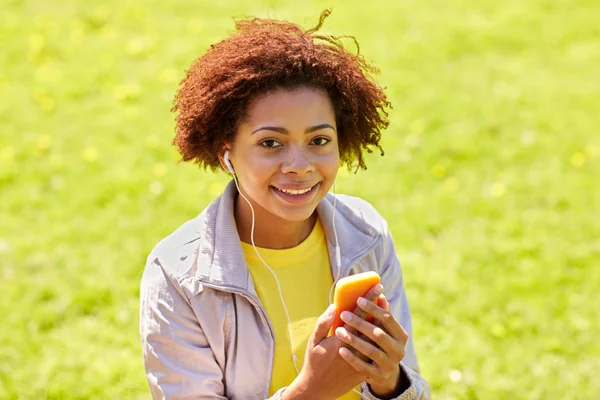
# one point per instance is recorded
(270, 143)
(320, 141)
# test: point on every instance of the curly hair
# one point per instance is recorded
(264, 55)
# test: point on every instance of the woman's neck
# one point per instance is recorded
(270, 231)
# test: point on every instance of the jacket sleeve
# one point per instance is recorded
(391, 279)
(178, 359)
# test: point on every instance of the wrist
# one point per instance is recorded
(391, 388)
(297, 390)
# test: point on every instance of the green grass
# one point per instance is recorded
(489, 182)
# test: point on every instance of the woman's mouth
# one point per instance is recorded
(295, 195)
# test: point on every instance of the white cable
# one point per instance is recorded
(294, 358)
(338, 267)
(338, 256)
(338, 262)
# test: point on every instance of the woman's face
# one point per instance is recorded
(285, 153)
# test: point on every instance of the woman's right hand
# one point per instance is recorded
(325, 374)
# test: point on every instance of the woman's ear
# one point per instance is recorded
(225, 160)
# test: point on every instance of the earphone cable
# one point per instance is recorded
(294, 357)
(337, 257)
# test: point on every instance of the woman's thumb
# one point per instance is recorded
(323, 324)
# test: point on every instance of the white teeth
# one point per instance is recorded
(294, 192)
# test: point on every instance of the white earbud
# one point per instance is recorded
(228, 163)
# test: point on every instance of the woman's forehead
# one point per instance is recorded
(285, 104)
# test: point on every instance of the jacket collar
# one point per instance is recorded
(221, 259)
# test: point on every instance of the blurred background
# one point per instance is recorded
(490, 183)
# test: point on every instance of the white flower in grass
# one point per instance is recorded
(157, 188)
(455, 376)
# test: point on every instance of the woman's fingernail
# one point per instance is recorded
(362, 302)
(344, 352)
(331, 312)
(378, 289)
(346, 316)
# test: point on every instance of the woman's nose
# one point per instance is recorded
(297, 161)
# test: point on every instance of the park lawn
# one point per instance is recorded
(489, 183)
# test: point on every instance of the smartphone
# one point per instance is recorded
(347, 292)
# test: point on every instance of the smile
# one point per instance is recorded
(294, 192)
(296, 195)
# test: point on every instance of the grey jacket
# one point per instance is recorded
(205, 333)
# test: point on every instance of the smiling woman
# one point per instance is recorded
(286, 165)
(234, 303)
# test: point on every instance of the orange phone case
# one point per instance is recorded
(347, 292)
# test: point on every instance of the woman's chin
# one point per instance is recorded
(297, 215)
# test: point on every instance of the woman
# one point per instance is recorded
(234, 303)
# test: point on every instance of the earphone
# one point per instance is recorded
(338, 258)
(228, 163)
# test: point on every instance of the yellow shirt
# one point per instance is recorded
(304, 274)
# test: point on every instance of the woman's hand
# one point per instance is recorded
(325, 375)
(382, 343)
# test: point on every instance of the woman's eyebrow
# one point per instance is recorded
(318, 128)
(285, 131)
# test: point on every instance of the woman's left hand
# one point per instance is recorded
(382, 342)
